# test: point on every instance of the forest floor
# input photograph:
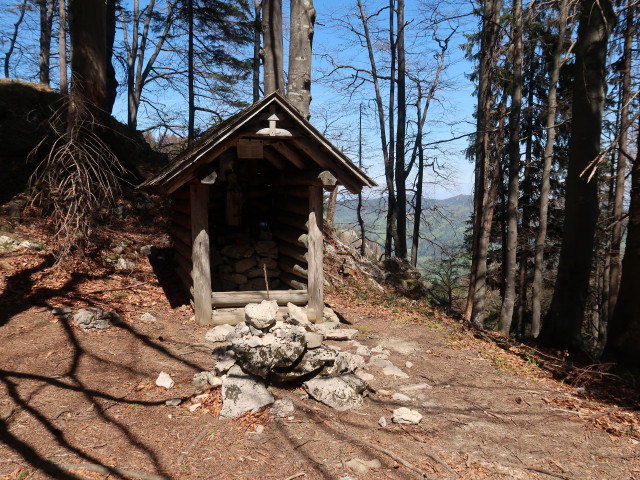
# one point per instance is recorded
(84, 405)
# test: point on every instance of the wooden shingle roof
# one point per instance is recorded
(299, 142)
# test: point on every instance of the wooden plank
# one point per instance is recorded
(290, 154)
(181, 194)
(183, 220)
(290, 235)
(240, 299)
(201, 272)
(297, 253)
(291, 220)
(274, 159)
(181, 208)
(289, 265)
(315, 256)
(299, 208)
(182, 234)
(294, 281)
(182, 249)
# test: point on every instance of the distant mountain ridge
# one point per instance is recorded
(443, 225)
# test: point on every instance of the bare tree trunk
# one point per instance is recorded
(14, 37)
(363, 237)
(191, 127)
(46, 22)
(508, 302)
(112, 82)
(272, 46)
(303, 17)
(624, 327)
(388, 162)
(62, 45)
(392, 239)
(541, 236)
(257, 30)
(625, 99)
(564, 320)
(329, 219)
(88, 52)
(401, 174)
(485, 189)
(415, 237)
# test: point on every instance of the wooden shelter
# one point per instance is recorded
(247, 210)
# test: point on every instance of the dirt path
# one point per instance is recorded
(70, 398)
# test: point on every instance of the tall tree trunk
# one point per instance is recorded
(87, 25)
(62, 45)
(401, 174)
(303, 17)
(484, 187)
(257, 30)
(624, 327)
(388, 162)
(415, 237)
(392, 237)
(552, 105)
(14, 37)
(563, 323)
(625, 98)
(112, 82)
(508, 302)
(191, 127)
(363, 237)
(272, 46)
(46, 22)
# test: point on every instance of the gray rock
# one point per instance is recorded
(415, 387)
(363, 466)
(297, 315)
(95, 319)
(403, 415)
(313, 340)
(164, 380)
(30, 245)
(245, 264)
(282, 408)
(367, 377)
(238, 251)
(242, 393)
(329, 315)
(148, 250)
(400, 397)
(344, 362)
(124, 264)
(382, 422)
(395, 371)
(311, 363)
(173, 402)
(219, 333)
(379, 361)
(238, 278)
(363, 350)
(340, 334)
(147, 317)
(342, 393)
(267, 248)
(261, 315)
(271, 263)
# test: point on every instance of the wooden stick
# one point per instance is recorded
(115, 289)
(396, 458)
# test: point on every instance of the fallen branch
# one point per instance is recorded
(195, 441)
(396, 458)
(430, 454)
(114, 289)
(92, 467)
(301, 474)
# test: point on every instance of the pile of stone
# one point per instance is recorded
(263, 350)
(241, 267)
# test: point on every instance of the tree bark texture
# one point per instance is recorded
(485, 190)
(388, 162)
(303, 17)
(257, 31)
(112, 82)
(87, 24)
(552, 106)
(391, 237)
(46, 22)
(624, 327)
(401, 175)
(621, 166)
(62, 45)
(508, 302)
(272, 46)
(563, 323)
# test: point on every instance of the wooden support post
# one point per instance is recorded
(315, 285)
(201, 272)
